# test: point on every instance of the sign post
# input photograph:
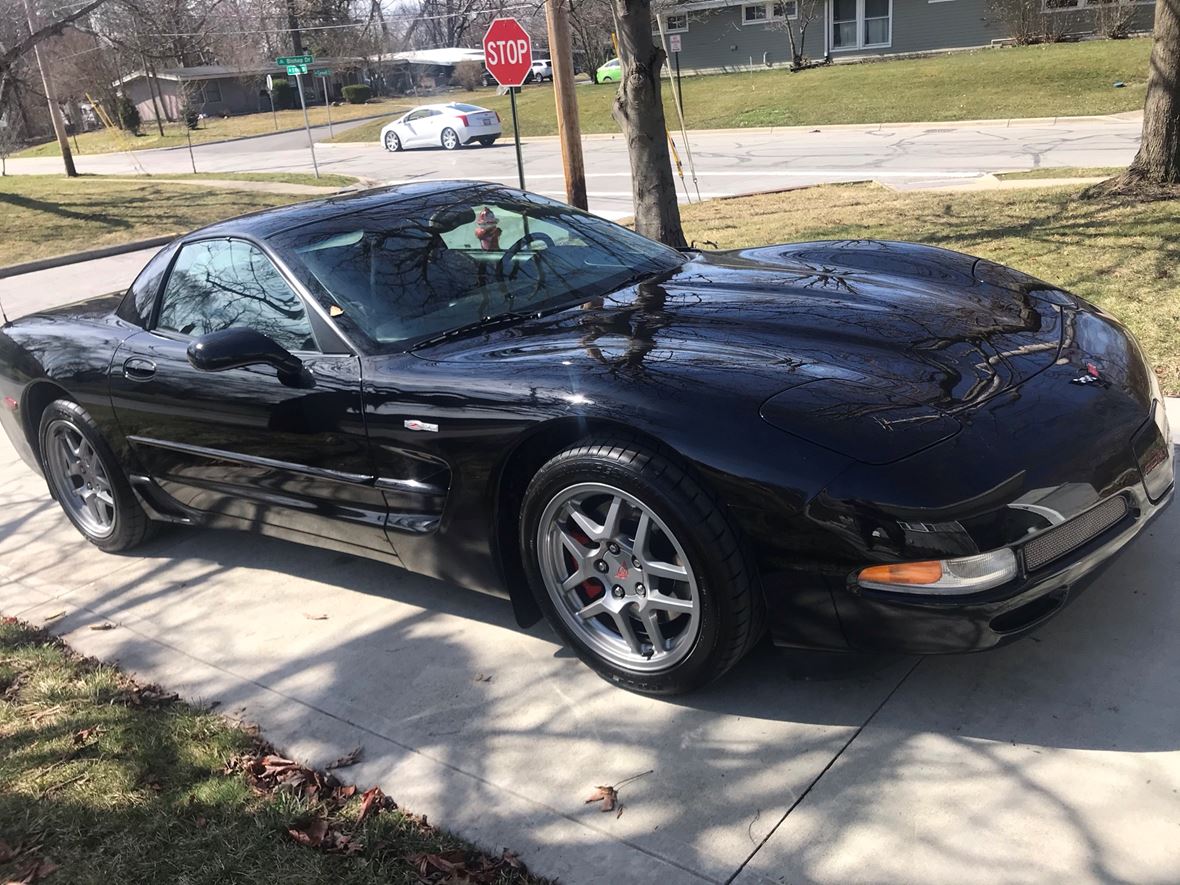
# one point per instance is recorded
(270, 93)
(296, 66)
(674, 45)
(324, 74)
(508, 56)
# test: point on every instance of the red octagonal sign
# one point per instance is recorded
(508, 52)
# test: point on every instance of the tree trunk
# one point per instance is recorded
(1156, 168)
(639, 111)
(293, 27)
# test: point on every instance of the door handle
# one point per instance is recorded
(139, 369)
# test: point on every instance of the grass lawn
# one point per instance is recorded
(110, 782)
(1062, 172)
(1122, 255)
(1064, 79)
(214, 129)
(326, 179)
(45, 215)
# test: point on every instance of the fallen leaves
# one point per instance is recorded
(346, 760)
(372, 801)
(461, 868)
(31, 869)
(315, 617)
(137, 695)
(608, 795)
(85, 734)
(106, 625)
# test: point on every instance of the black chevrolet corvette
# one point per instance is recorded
(852, 445)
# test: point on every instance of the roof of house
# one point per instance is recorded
(443, 57)
(217, 72)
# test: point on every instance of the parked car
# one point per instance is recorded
(850, 445)
(450, 125)
(542, 69)
(611, 72)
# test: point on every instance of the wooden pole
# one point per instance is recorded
(569, 128)
(59, 126)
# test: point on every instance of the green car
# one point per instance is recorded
(611, 72)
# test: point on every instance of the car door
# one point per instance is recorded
(289, 456)
(416, 127)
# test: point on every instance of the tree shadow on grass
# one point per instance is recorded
(22, 202)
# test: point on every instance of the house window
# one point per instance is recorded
(861, 24)
(760, 13)
(211, 92)
(1065, 5)
(676, 24)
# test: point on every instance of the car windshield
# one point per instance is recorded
(412, 269)
(465, 107)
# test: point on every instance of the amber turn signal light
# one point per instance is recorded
(903, 573)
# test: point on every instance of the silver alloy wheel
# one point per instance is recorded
(450, 140)
(618, 577)
(391, 141)
(80, 478)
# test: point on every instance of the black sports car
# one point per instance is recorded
(853, 445)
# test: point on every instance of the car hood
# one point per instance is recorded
(893, 341)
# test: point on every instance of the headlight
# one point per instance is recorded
(943, 576)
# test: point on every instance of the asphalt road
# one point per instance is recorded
(726, 162)
(1054, 759)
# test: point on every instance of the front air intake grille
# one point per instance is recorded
(1057, 542)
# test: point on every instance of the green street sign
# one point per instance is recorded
(284, 60)
(292, 70)
(322, 73)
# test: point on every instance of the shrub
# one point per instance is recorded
(127, 115)
(358, 93)
(468, 74)
(284, 94)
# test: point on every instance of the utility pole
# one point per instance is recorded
(59, 126)
(569, 129)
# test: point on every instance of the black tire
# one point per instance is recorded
(392, 142)
(731, 604)
(487, 141)
(451, 136)
(130, 525)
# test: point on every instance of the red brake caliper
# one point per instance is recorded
(591, 589)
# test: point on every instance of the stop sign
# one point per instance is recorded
(508, 52)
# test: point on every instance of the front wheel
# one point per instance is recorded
(637, 569)
(392, 142)
(450, 139)
(87, 481)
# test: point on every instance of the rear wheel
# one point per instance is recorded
(392, 142)
(637, 569)
(87, 481)
(450, 139)
(487, 141)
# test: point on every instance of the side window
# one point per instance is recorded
(221, 284)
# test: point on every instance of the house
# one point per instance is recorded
(727, 35)
(218, 90)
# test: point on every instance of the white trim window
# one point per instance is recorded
(674, 23)
(861, 24)
(764, 13)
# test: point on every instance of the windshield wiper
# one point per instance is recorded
(500, 319)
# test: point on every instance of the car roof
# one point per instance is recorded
(268, 222)
(449, 106)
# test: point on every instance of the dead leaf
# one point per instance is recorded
(104, 626)
(310, 834)
(35, 871)
(343, 794)
(320, 617)
(481, 678)
(201, 822)
(7, 852)
(55, 615)
(81, 737)
(372, 801)
(608, 796)
(346, 760)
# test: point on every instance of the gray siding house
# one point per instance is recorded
(728, 35)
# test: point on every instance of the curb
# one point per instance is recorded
(184, 147)
(14, 270)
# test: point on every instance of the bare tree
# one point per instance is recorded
(1115, 19)
(11, 54)
(639, 111)
(806, 12)
(1029, 21)
(10, 138)
(1155, 171)
(590, 26)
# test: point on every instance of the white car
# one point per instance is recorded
(450, 125)
(542, 69)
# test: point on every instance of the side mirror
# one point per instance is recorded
(235, 348)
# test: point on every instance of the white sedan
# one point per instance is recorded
(449, 125)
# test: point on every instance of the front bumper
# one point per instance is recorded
(885, 621)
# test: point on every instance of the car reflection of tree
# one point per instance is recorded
(636, 322)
